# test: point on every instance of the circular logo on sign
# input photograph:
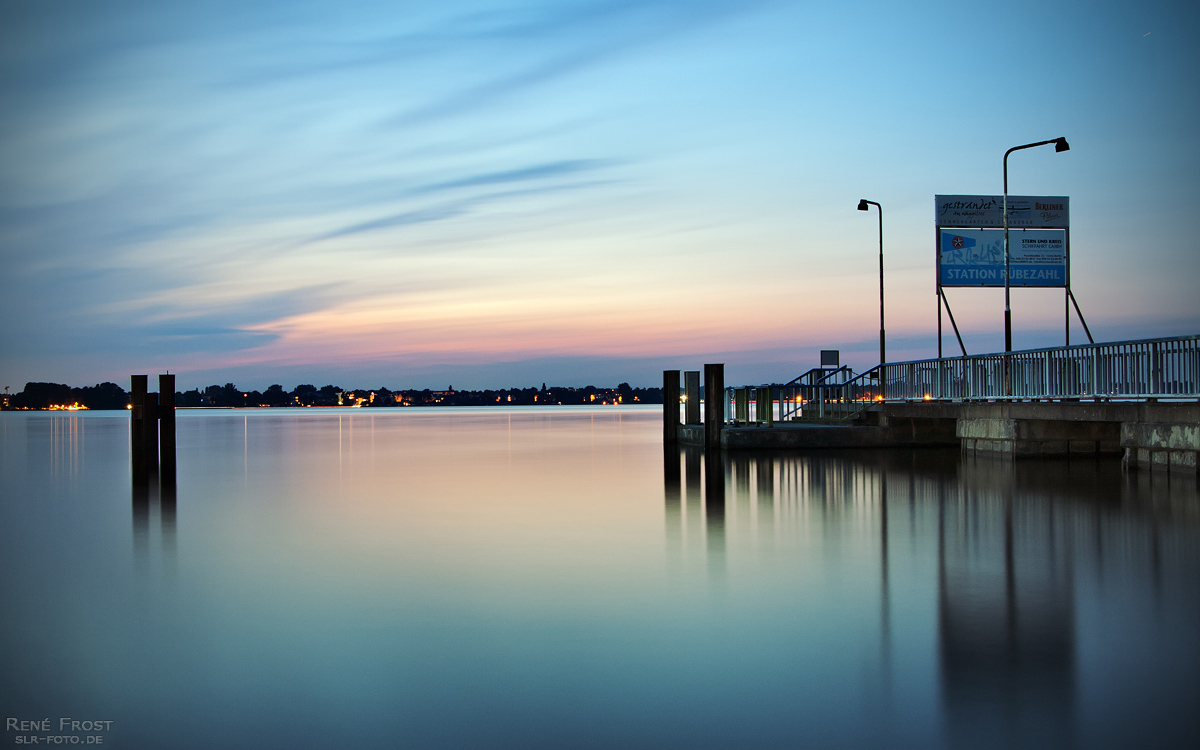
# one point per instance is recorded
(957, 242)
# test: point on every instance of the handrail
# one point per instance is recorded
(1162, 368)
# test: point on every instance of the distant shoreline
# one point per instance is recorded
(112, 397)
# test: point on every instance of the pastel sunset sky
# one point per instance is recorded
(496, 194)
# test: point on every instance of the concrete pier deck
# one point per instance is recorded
(1145, 434)
(797, 435)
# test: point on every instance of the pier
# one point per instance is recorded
(1136, 400)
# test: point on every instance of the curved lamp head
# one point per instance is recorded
(1060, 145)
(862, 204)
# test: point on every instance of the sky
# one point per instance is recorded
(499, 194)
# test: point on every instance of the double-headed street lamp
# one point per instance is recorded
(862, 206)
(1060, 144)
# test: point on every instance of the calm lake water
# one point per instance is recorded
(552, 578)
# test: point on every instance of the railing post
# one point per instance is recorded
(1156, 369)
(1046, 375)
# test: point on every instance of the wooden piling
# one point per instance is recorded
(166, 429)
(714, 404)
(137, 428)
(150, 433)
(670, 396)
(691, 392)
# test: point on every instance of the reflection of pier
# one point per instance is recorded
(986, 553)
(1006, 630)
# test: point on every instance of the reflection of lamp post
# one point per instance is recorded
(862, 206)
(1060, 144)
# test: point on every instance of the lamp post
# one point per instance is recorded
(1060, 145)
(862, 206)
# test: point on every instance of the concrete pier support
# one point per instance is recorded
(670, 395)
(691, 394)
(714, 404)
(1161, 445)
(1038, 437)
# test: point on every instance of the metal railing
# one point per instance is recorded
(1164, 368)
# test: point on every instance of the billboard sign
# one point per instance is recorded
(975, 257)
(987, 211)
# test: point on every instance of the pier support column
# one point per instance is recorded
(714, 404)
(150, 433)
(670, 396)
(166, 429)
(1038, 437)
(137, 428)
(691, 392)
(1161, 445)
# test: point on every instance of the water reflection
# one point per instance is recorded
(537, 578)
(1009, 540)
(151, 502)
(1005, 612)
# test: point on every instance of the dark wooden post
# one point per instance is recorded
(150, 432)
(166, 429)
(714, 404)
(670, 396)
(691, 391)
(137, 428)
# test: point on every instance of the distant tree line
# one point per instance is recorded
(56, 395)
(112, 396)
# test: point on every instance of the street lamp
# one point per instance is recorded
(862, 206)
(1060, 145)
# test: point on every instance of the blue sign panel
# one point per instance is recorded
(975, 257)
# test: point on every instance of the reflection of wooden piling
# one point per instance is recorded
(137, 428)
(670, 395)
(150, 419)
(691, 392)
(166, 429)
(714, 487)
(672, 477)
(691, 474)
(714, 404)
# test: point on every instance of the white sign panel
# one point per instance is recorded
(975, 257)
(986, 211)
